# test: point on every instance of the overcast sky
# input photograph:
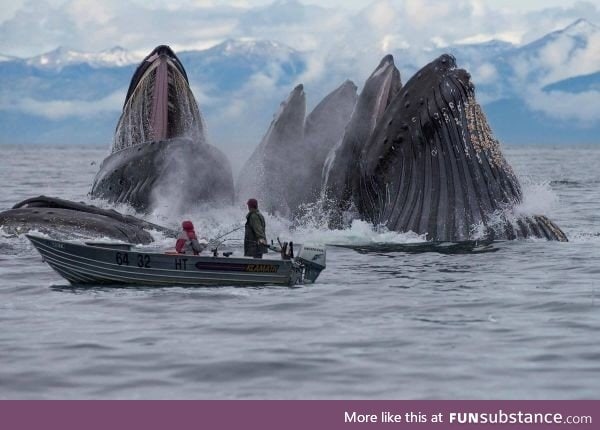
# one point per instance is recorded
(522, 5)
(9, 9)
(339, 39)
(31, 27)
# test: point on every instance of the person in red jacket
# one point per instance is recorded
(187, 242)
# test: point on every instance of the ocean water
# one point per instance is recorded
(520, 322)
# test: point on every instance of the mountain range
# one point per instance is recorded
(545, 91)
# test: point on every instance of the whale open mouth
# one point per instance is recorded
(159, 103)
(160, 152)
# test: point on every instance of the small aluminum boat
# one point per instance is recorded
(116, 264)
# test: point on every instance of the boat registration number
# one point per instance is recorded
(142, 260)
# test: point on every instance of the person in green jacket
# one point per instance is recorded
(255, 239)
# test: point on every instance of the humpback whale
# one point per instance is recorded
(160, 152)
(54, 215)
(159, 155)
(420, 157)
(267, 175)
(339, 177)
(432, 165)
(323, 129)
(284, 171)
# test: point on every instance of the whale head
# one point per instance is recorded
(159, 104)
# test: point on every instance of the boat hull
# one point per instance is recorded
(104, 264)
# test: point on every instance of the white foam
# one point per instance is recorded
(312, 226)
(213, 222)
(359, 233)
(584, 237)
(538, 198)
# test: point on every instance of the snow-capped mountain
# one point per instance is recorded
(580, 32)
(250, 48)
(7, 58)
(544, 91)
(70, 96)
(229, 65)
(559, 55)
(62, 57)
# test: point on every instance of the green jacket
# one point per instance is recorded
(255, 230)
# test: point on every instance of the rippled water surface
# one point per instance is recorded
(521, 322)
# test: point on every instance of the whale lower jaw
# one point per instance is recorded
(178, 171)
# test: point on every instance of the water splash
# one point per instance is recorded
(538, 198)
(359, 233)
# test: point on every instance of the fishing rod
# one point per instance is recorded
(228, 233)
(216, 242)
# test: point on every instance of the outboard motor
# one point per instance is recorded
(312, 257)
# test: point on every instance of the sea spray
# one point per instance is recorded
(538, 197)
